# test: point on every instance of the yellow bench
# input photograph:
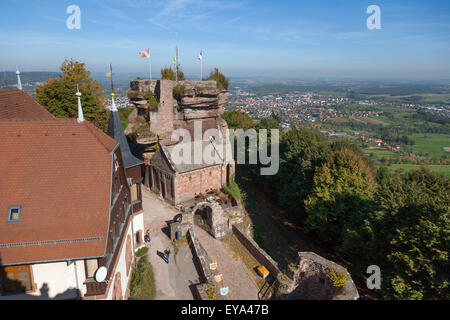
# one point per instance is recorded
(263, 272)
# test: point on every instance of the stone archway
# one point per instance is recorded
(213, 218)
(203, 216)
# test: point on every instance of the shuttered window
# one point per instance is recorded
(16, 279)
(134, 192)
(91, 267)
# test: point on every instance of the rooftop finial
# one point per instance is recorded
(113, 103)
(80, 109)
(19, 83)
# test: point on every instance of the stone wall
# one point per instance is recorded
(202, 261)
(191, 183)
(257, 252)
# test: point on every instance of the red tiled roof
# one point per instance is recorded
(19, 105)
(59, 172)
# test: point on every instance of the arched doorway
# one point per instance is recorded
(203, 217)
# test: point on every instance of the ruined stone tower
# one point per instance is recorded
(166, 105)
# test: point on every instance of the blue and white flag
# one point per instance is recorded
(200, 56)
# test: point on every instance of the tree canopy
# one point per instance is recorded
(169, 74)
(238, 120)
(414, 235)
(367, 216)
(221, 80)
(57, 95)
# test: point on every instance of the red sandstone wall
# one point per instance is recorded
(162, 121)
(199, 181)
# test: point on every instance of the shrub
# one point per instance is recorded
(178, 92)
(143, 131)
(142, 252)
(169, 74)
(142, 284)
(337, 278)
(124, 113)
(233, 190)
(152, 101)
(221, 80)
(133, 94)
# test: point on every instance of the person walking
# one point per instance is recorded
(147, 236)
(167, 253)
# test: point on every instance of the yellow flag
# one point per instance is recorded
(175, 60)
(108, 74)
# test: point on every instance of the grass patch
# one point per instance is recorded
(378, 154)
(431, 143)
(444, 170)
(233, 190)
(142, 285)
(124, 113)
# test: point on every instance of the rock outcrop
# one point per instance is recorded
(165, 105)
(316, 278)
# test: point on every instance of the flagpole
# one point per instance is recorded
(112, 85)
(201, 68)
(176, 64)
(150, 62)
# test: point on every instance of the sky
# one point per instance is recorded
(283, 39)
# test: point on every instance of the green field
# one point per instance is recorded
(431, 143)
(444, 170)
(379, 153)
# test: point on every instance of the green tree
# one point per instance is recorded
(302, 151)
(169, 74)
(414, 235)
(272, 122)
(238, 120)
(57, 95)
(340, 205)
(221, 80)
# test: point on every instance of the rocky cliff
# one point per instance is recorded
(165, 105)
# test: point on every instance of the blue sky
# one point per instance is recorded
(326, 38)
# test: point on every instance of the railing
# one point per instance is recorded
(94, 288)
(137, 206)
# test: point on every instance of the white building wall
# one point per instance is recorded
(55, 280)
(138, 225)
(61, 282)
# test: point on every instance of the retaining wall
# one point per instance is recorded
(257, 252)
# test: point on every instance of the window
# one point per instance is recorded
(91, 267)
(16, 279)
(134, 192)
(139, 237)
(14, 214)
(116, 163)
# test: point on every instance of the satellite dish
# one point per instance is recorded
(100, 274)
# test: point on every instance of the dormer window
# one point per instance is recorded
(116, 164)
(14, 214)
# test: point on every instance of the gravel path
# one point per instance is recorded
(173, 280)
(236, 275)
